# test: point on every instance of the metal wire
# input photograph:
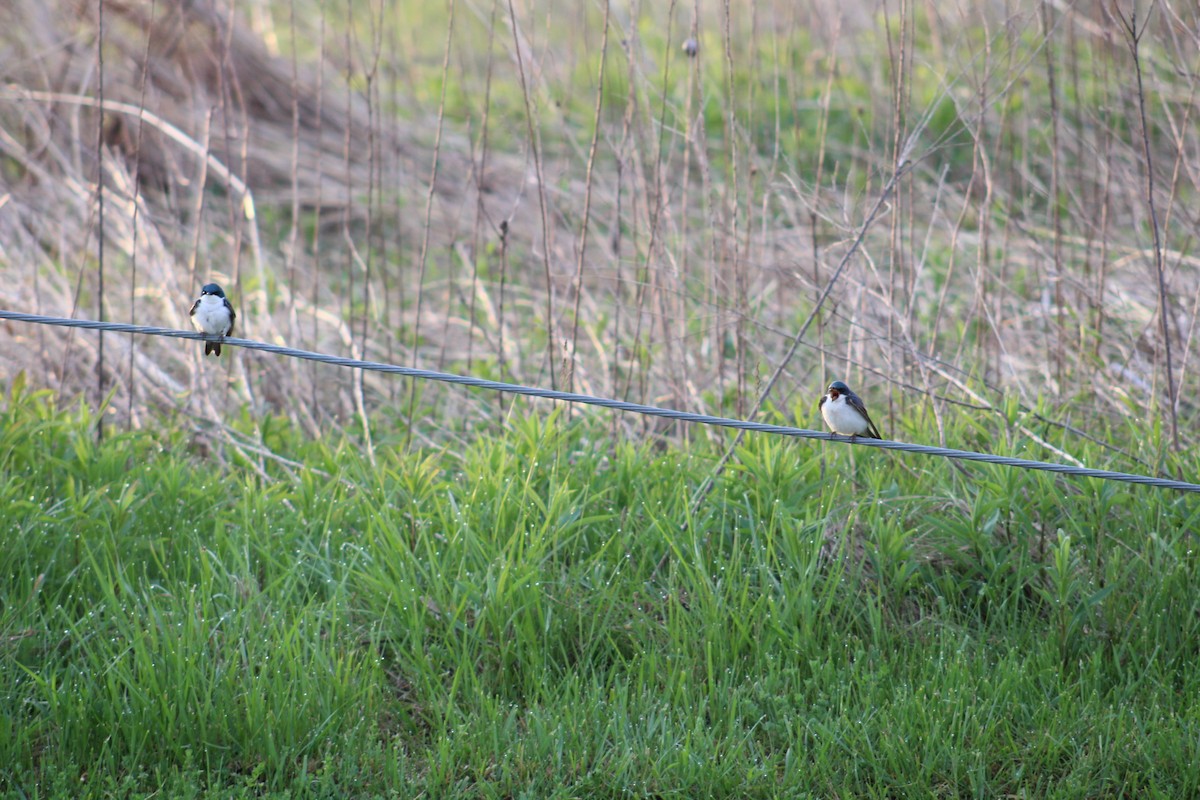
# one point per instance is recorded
(617, 405)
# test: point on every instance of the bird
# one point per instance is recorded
(213, 314)
(845, 413)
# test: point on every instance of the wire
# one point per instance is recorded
(616, 405)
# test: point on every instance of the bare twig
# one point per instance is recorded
(901, 169)
(1133, 39)
(433, 173)
(587, 203)
(536, 150)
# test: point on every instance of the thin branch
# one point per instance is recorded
(1133, 40)
(902, 168)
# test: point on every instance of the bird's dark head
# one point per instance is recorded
(213, 289)
(838, 388)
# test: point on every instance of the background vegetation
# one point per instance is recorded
(268, 578)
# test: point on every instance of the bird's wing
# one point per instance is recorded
(822, 403)
(857, 404)
(195, 305)
(232, 315)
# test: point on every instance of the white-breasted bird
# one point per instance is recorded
(213, 314)
(845, 413)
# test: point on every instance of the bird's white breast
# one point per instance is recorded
(842, 417)
(212, 316)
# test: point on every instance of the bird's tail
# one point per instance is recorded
(213, 348)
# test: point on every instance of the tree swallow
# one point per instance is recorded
(845, 413)
(213, 315)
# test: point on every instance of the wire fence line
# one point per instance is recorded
(616, 405)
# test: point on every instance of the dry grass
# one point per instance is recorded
(660, 238)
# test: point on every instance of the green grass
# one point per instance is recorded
(540, 614)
